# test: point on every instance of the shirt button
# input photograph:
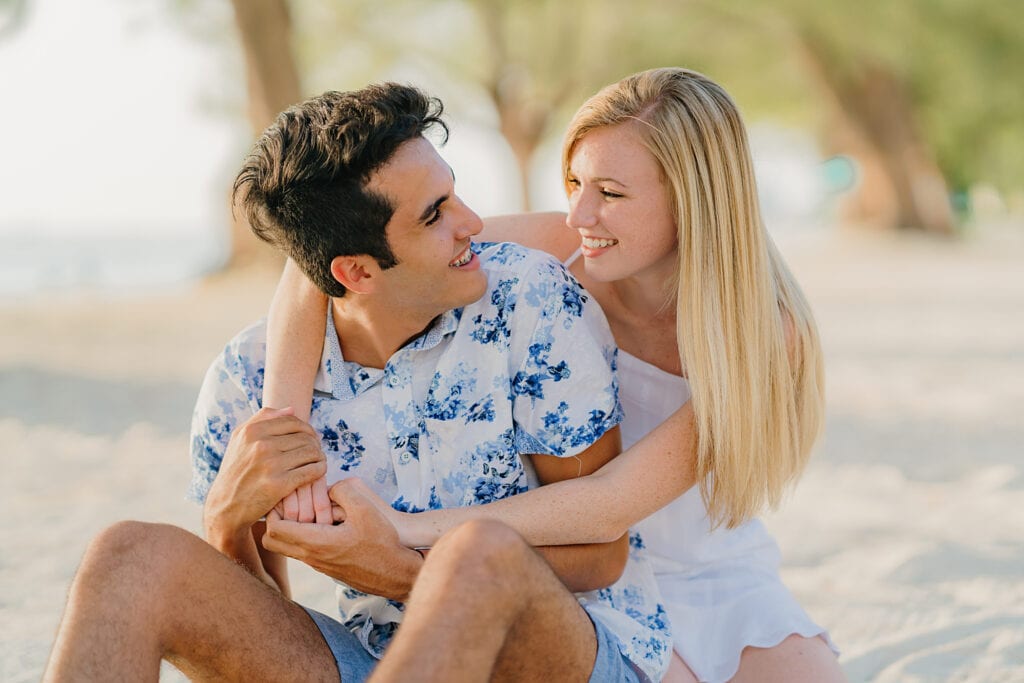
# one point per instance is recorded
(404, 458)
(393, 380)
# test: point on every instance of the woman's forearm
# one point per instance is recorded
(295, 338)
(597, 508)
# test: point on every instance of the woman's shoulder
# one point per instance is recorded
(544, 231)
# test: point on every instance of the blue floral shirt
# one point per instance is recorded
(527, 369)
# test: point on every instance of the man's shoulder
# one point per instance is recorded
(245, 353)
(513, 267)
(502, 257)
(527, 290)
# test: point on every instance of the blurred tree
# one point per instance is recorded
(920, 93)
(12, 16)
(272, 82)
(917, 92)
(527, 61)
(265, 35)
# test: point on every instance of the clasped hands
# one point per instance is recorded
(349, 537)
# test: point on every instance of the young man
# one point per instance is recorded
(452, 375)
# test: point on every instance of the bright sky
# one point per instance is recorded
(105, 134)
(103, 131)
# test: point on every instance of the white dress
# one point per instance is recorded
(721, 588)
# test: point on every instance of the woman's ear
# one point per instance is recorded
(355, 273)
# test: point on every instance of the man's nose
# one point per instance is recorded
(469, 223)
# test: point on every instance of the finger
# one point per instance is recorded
(291, 506)
(350, 493)
(337, 513)
(321, 502)
(274, 424)
(306, 474)
(356, 506)
(274, 515)
(276, 545)
(296, 539)
(369, 494)
(306, 512)
(298, 454)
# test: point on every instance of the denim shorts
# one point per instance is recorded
(355, 664)
(610, 666)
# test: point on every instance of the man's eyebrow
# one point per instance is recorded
(432, 208)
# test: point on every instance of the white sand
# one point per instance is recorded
(905, 538)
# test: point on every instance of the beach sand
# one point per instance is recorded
(905, 538)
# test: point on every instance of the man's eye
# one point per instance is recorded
(434, 217)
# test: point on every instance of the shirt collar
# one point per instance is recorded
(345, 380)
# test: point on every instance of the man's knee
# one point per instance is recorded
(127, 550)
(482, 547)
(483, 539)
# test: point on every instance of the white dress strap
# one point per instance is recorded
(572, 259)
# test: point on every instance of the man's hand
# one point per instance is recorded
(363, 550)
(268, 457)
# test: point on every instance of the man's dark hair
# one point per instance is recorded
(303, 186)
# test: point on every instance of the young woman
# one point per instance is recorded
(720, 371)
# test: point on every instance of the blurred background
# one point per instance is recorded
(889, 145)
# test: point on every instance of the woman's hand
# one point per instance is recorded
(309, 503)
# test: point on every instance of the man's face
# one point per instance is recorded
(429, 234)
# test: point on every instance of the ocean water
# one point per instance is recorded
(122, 263)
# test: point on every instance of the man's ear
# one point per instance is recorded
(355, 273)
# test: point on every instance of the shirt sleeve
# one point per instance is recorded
(565, 393)
(229, 396)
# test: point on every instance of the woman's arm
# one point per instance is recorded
(597, 508)
(295, 341)
(543, 231)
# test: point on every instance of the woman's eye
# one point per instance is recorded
(573, 183)
(435, 217)
(610, 195)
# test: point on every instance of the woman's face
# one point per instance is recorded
(620, 205)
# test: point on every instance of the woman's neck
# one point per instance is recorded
(641, 313)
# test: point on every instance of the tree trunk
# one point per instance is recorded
(522, 119)
(522, 127)
(871, 119)
(272, 79)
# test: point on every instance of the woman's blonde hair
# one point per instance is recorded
(746, 336)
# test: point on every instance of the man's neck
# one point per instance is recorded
(370, 336)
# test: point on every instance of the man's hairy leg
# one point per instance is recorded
(147, 592)
(485, 607)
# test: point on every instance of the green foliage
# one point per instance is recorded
(12, 16)
(959, 61)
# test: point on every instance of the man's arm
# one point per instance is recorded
(595, 565)
(267, 457)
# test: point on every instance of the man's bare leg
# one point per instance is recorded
(147, 592)
(485, 607)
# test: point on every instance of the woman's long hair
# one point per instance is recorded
(747, 339)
